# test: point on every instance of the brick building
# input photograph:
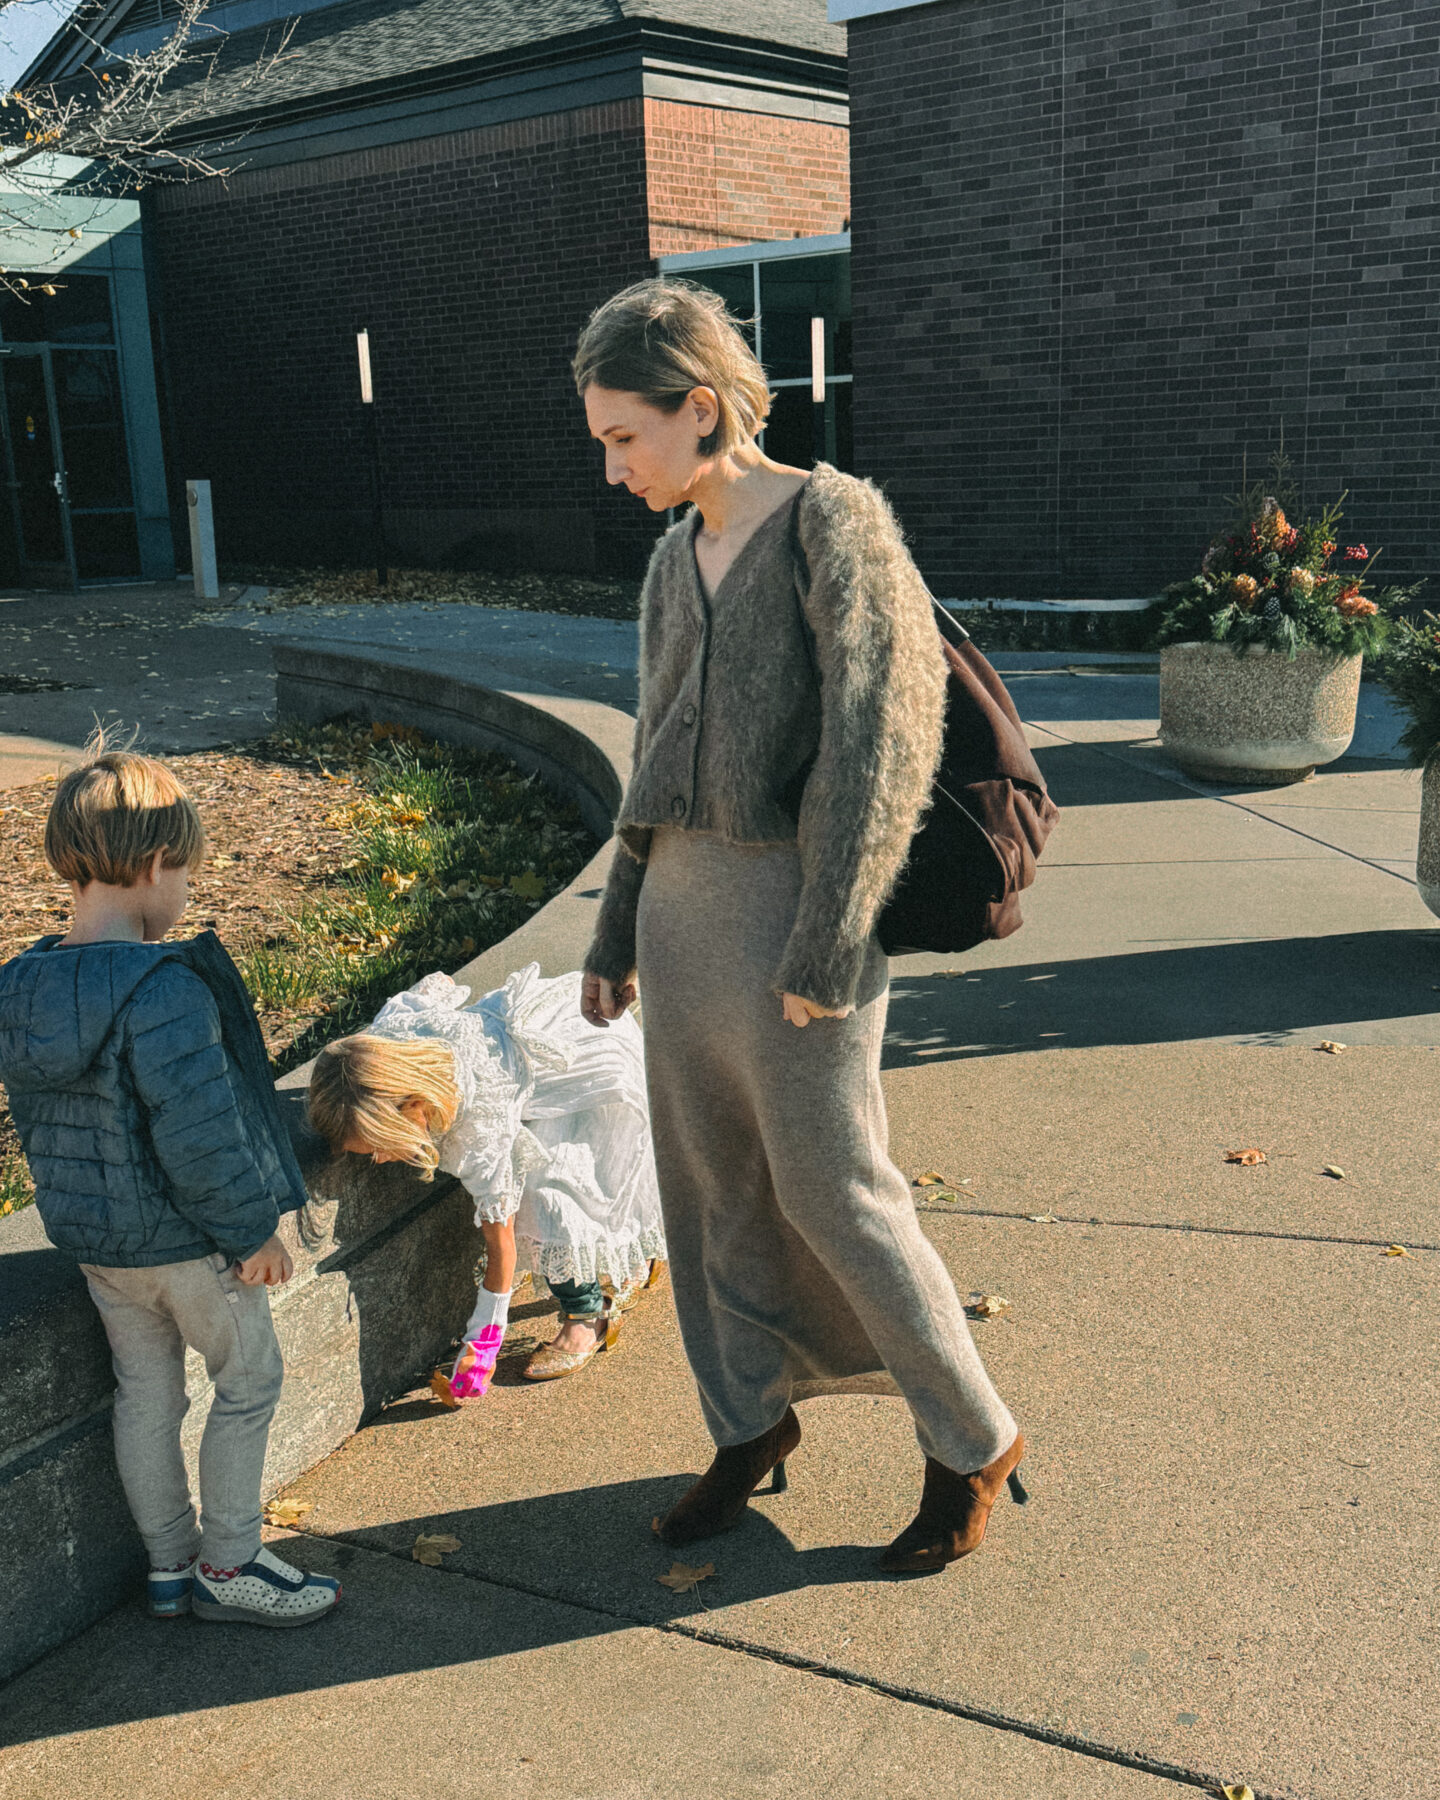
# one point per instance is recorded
(465, 181)
(1101, 252)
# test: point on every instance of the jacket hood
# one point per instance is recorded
(58, 1005)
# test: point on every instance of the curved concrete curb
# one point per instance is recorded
(383, 1262)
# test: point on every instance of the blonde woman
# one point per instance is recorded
(788, 733)
(542, 1119)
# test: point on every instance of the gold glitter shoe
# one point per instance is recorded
(549, 1364)
(630, 1292)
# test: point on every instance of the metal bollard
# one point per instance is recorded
(202, 540)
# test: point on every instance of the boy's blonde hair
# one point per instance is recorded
(111, 815)
(359, 1084)
(661, 339)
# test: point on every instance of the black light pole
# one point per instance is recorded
(367, 400)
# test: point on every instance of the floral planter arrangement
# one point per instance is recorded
(1261, 651)
(1411, 671)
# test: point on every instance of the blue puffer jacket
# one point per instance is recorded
(139, 1084)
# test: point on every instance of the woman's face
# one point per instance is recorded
(652, 453)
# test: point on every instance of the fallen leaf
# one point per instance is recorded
(1238, 1791)
(1335, 1174)
(528, 886)
(429, 1550)
(1394, 1250)
(1043, 1219)
(287, 1512)
(1248, 1158)
(440, 1388)
(1330, 1045)
(683, 1579)
(986, 1306)
(930, 1180)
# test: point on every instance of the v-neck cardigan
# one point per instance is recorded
(800, 704)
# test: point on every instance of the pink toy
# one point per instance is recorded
(476, 1363)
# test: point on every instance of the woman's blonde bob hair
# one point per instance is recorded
(359, 1084)
(663, 339)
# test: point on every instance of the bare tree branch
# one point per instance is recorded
(121, 116)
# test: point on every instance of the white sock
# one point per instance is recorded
(490, 1309)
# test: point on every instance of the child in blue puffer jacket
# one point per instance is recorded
(139, 1084)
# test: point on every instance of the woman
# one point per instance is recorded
(791, 707)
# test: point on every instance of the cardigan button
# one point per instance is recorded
(689, 716)
(677, 806)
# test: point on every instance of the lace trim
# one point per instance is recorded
(617, 1262)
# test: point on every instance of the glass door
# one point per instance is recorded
(35, 469)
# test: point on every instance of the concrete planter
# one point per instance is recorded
(1427, 859)
(1258, 719)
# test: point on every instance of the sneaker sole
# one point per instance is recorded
(249, 1615)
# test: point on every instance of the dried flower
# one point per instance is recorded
(1301, 583)
(1353, 604)
(1328, 547)
(1243, 591)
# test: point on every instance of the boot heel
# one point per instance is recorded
(1018, 1491)
(779, 1480)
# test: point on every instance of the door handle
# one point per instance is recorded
(59, 484)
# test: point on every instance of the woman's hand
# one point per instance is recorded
(601, 1000)
(801, 1012)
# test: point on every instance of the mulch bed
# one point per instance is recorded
(269, 847)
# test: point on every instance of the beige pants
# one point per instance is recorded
(798, 1261)
(150, 1315)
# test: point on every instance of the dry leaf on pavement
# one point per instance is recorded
(986, 1306)
(1330, 1045)
(287, 1512)
(440, 1388)
(930, 1180)
(683, 1579)
(1334, 1171)
(429, 1550)
(1248, 1158)
(1043, 1219)
(1238, 1792)
(1394, 1250)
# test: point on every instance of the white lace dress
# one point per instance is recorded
(554, 1127)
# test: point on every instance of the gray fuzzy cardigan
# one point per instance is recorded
(764, 730)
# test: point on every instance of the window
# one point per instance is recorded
(784, 287)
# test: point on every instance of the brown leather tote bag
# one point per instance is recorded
(988, 819)
(989, 813)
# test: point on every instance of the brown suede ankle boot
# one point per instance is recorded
(954, 1511)
(717, 1500)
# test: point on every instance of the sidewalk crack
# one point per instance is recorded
(1206, 1780)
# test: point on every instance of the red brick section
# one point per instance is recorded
(720, 177)
(473, 259)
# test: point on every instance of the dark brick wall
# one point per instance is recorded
(1101, 252)
(473, 259)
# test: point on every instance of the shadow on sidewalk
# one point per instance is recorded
(399, 1618)
(1257, 989)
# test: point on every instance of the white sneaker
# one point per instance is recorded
(265, 1592)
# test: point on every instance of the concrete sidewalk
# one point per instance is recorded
(1229, 1567)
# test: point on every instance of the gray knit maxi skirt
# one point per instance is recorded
(797, 1259)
